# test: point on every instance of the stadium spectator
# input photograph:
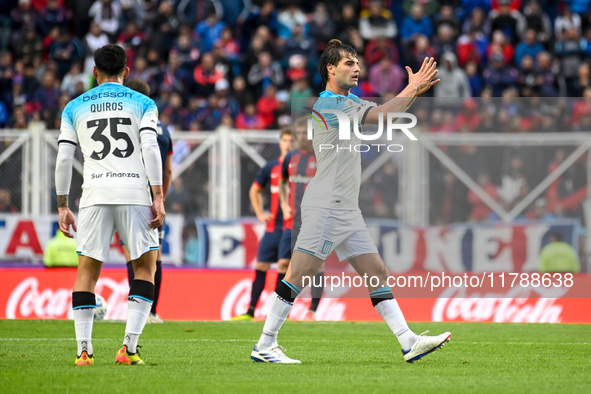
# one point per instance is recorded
(535, 18)
(299, 44)
(348, 19)
(480, 210)
(447, 17)
(472, 47)
(514, 184)
(498, 75)
(376, 21)
(470, 5)
(567, 21)
(72, 78)
(250, 119)
(499, 44)
(65, 51)
(210, 31)
(379, 48)
(264, 73)
(559, 256)
(453, 205)
(444, 40)
(29, 46)
(477, 21)
(267, 105)
(291, 16)
(416, 23)
(206, 75)
(474, 78)
(165, 28)
(529, 46)
(6, 205)
(546, 80)
(526, 80)
(21, 17)
(417, 49)
(454, 81)
(386, 76)
(266, 16)
(583, 82)
(570, 50)
(506, 20)
(210, 116)
(80, 16)
(52, 15)
(241, 93)
(321, 28)
(106, 13)
(93, 40)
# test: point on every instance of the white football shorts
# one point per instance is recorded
(98, 223)
(344, 231)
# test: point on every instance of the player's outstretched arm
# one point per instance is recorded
(418, 83)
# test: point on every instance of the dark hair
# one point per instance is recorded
(333, 53)
(285, 131)
(139, 86)
(110, 59)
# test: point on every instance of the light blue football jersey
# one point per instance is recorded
(107, 122)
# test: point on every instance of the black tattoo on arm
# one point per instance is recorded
(62, 201)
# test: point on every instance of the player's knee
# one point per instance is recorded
(262, 266)
(282, 266)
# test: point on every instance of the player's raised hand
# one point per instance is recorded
(158, 212)
(423, 79)
(66, 219)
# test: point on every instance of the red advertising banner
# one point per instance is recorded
(207, 294)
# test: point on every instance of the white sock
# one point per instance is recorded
(392, 315)
(278, 312)
(138, 311)
(83, 320)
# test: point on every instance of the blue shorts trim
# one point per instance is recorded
(305, 251)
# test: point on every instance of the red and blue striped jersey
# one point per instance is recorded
(269, 175)
(299, 168)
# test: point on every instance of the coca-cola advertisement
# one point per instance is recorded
(210, 294)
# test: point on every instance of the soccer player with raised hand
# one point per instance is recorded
(116, 130)
(331, 218)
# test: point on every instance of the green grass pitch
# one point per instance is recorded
(189, 357)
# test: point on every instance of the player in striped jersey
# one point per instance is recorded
(299, 166)
(269, 250)
(116, 130)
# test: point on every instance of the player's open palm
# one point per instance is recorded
(423, 79)
(66, 219)
(158, 212)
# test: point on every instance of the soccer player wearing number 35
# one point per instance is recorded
(116, 130)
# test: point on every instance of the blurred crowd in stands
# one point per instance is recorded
(238, 63)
